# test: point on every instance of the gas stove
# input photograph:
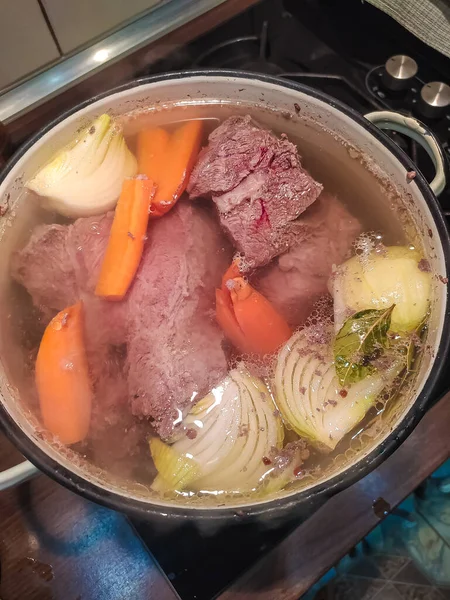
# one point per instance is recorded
(363, 58)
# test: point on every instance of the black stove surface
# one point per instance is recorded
(341, 51)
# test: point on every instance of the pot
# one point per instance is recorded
(364, 154)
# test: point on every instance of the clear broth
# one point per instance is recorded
(327, 159)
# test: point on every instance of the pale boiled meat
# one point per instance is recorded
(174, 344)
(45, 268)
(298, 278)
(60, 265)
(258, 185)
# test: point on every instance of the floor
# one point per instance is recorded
(407, 557)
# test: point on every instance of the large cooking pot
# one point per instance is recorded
(366, 155)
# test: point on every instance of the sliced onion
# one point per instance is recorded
(309, 396)
(226, 437)
(85, 178)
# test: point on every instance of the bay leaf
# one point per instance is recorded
(360, 340)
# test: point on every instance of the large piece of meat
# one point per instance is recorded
(258, 185)
(173, 347)
(298, 278)
(174, 344)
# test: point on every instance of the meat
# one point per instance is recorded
(60, 262)
(298, 278)
(45, 268)
(174, 345)
(60, 265)
(258, 185)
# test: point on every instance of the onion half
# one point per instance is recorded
(309, 396)
(85, 178)
(397, 275)
(226, 437)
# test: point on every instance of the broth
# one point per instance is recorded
(329, 162)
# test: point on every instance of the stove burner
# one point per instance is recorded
(401, 99)
(340, 87)
(249, 53)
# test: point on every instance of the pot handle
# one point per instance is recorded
(17, 474)
(414, 129)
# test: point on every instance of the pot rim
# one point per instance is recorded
(277, 506)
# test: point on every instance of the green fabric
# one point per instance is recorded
(429, 20)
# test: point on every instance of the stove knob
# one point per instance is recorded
(434, 99)
(399, 71)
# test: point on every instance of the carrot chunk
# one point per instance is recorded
(263, 327)
(126, 239)
(227, 321)
(62, 377)
(247, 318)
(168, 161)
(232, 272)
(151, 152)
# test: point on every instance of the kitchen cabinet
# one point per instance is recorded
(76, 22)
(26, 43)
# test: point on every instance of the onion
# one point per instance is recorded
(226, 437)
(396, 275)
(86, 177)
(309, 396)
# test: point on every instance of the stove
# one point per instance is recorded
(362, 57)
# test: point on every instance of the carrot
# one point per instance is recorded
(126, 239)
(62, 377)
(228, 323)
(248, 319)
(151, 151)
(232, 272)
(263, 327)
(171, 166)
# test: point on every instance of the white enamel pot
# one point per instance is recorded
(367, 148)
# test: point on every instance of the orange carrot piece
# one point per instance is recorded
(247, 318)
(263, 327)
(126, 239)
(151, 152)
(169, 166)
(232, 272)
(62, 377)
(227, 321)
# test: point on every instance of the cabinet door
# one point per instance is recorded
(26, 43)
(76, 22)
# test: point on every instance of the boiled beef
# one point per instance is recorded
(298, 278)
(60, 265)
(45, 268)
(258, 185)
(174, 345)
